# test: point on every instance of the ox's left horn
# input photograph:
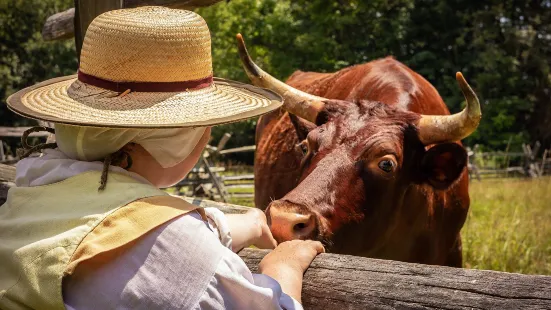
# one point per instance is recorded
(450, 128)
(296, 101)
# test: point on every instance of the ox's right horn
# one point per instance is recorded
(296, 101)
(450, 128)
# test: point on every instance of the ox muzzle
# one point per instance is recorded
(290, 221)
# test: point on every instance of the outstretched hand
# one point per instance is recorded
(294, 254)
(250, 228)
(265, 240)
(288, 262)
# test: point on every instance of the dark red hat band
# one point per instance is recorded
(153, 87)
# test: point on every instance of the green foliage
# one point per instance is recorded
(25, 58)
(495, 44)
(502, 47)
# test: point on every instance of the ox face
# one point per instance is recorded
(357, 168)
(365, 164)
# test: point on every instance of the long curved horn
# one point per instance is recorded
(450, 128)
(296, 101)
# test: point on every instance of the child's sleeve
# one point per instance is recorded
(233, 286)
(219, 225)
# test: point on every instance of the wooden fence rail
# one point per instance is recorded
(18, 132)
(527, 162)
(347, 282)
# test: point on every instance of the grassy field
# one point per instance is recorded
(508, 227)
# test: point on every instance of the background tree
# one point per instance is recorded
(501, 46)
(25, 58)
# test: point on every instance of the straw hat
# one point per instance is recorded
(149, 67)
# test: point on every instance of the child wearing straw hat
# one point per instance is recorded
(87, 227)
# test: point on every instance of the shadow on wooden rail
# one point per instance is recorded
(348, 282)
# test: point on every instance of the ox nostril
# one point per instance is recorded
(286, 224)
(299, 226)
(304, 225)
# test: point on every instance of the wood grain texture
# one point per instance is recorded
(349, 282)
(85, 12)
(7, 173)
(18, 132)
(176, 4)
(61, 25)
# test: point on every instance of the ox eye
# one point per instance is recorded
(303, 147)
(387, 165)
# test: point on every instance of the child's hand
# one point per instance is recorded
(250, 228)
(265, 240)
(288, 262)
(294, 254)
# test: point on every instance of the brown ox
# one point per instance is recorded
(372, 166)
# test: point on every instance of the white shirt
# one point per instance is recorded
(185, 263)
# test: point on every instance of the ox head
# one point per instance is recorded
(360, 160)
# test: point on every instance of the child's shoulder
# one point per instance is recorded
(171, 265)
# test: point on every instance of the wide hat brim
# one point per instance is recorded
(69, 101)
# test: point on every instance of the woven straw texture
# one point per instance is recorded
(147, 44)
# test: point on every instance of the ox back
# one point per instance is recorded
(427, 231)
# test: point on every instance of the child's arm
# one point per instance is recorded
(288, 262)
(250, 228)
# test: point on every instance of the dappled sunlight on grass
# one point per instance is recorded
(509, 226)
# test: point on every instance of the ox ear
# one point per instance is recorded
(442, 164)
(302, 126)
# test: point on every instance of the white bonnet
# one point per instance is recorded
(168, 146)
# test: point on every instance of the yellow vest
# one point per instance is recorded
(47, 231)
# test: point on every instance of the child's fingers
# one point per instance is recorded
(316, 245)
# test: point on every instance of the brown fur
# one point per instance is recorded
(358, 210)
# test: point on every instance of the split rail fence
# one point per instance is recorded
(218, 182)
(509, 164)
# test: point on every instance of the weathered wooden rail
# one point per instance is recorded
(205, 179)
(348, 282)
(498, 164)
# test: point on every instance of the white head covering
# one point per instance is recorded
(168, 146)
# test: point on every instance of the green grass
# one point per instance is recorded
(240, 190)
(247, 202)
(509, 226)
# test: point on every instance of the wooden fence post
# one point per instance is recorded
(472, 166)
(542, 166)
(222, 143)
(63, 25)
(85, 12)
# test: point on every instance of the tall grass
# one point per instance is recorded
(509, 226)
